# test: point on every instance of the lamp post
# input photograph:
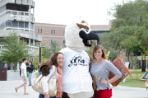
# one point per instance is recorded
(40, 53)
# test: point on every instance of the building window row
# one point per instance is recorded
(15, 13)
(17, 24)
(22, 13)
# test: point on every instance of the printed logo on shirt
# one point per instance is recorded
(77, 60)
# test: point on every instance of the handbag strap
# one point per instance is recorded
(40, 78)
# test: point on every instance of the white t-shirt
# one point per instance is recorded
(44, 82)
(53, 72)
(45, 79)
(23, 70)
(76, 76)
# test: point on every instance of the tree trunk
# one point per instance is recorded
(14, 67)
(143, 69)
(128, 58)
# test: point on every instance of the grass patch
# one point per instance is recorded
(134, 79)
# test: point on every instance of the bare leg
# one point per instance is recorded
(25, 89)
(16, 89)
(23, 85)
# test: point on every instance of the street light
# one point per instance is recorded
(40, 53)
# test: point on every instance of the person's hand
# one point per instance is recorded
(104, 81)
(59, 94)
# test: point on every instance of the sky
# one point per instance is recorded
(95, 12)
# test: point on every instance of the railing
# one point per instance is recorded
(17, 15)
(21, 33)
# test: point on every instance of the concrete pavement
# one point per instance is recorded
(7, 91)
(129, 92)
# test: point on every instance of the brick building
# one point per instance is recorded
(100, 29)
(55, 32)
(50, 33)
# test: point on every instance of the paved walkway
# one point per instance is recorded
(7, 91)
(129, 92)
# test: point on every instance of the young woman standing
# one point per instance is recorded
(100, 69)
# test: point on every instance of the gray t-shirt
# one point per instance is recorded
(100, 71)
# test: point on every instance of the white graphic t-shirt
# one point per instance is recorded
(76, 76)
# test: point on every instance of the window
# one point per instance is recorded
(39, 30)
(52, 32)
(26, 24)
(14, 23)
(21, 24)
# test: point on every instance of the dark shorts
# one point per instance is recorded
(65, 95)
(42, 96)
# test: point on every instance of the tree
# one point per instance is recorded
(54, 47)
(48, 51)
(129, 30)
(14, 50)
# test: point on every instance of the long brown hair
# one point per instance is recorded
(53, 59)
(96, 48)
(44, 69)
